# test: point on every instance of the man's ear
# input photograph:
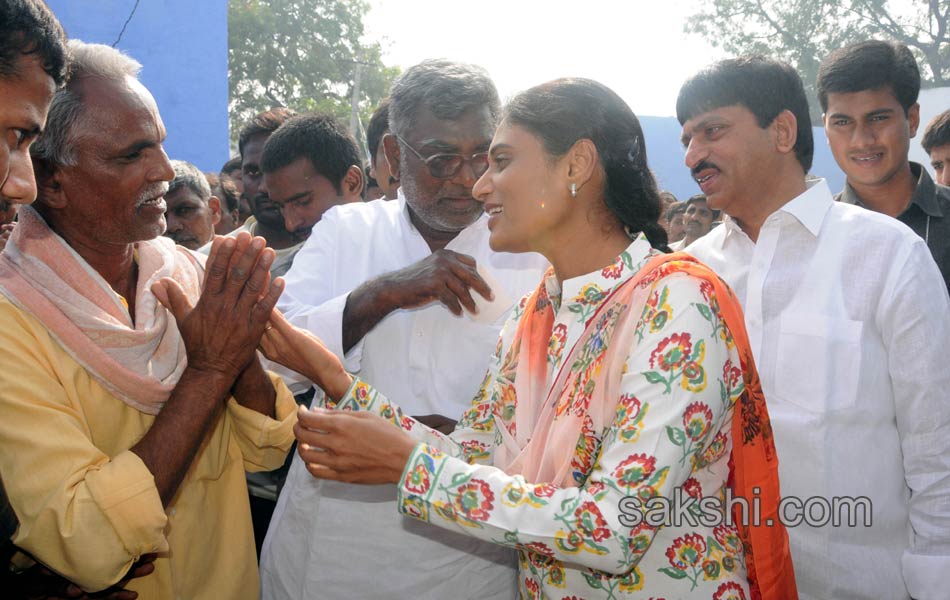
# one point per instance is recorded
(393, 155)
(214, 205)
(352, 184)
(785, 127)
(49, 188)
(913, 118)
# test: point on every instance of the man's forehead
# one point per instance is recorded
(113, 103)
(183, 195)
(863, 101)
(473, 127)
(253, 148)
(730, 111)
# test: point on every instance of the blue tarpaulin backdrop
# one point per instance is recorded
(183, 48)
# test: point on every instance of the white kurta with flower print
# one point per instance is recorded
(671, 431)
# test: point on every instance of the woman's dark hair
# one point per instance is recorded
(563, 111)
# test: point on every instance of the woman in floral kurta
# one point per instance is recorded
(641, 359)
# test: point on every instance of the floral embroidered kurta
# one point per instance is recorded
(671, 429)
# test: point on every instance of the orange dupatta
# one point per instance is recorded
(542, 447)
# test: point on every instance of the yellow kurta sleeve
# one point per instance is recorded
(264, 442)
(87, 506)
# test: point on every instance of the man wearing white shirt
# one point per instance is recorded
(847, 316)
(384, 285)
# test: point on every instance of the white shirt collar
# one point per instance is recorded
(809, 208)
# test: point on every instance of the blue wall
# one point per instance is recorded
(665, 154)
(183, 48)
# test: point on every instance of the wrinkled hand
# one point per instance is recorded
(303, 352)
(39, 583)
(354, 447)
(222, 331)
(443, 276)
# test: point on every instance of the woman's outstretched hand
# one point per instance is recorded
(301, 351)
(354, 447)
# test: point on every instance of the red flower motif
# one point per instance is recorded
(531, 586)
(538, 548)
(417, 480)
(544, 490)
(635, 469)
(406, 423)
(613, 271)
(728, 538)
(730, 590)
(686, 551)
(474, 449)
(628, 407)
(693, 488)
(475, 499)
(591, 522)
(558, 338)
(595, 488)
(716, 449)
(706, 289)
(731, 375)
(691, 371)
(672, 352)
(697, 420)
(641, 537)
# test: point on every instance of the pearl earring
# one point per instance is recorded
(573, 189)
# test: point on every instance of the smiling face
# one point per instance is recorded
(524, 193)
(24, 101)
(869, 135)
(114, 193)
(442, 205)
(731, 158)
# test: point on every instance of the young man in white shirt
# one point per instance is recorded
(392, 288)
(845, 310)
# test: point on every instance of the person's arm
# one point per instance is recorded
(646, 452)
(253, 389)
(264, 440)
(55, 475)
(221, 333)
(305, 353)
(443, 276)
(915, 319)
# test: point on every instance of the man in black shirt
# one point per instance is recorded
(868, 92)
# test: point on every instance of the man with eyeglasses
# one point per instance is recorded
(402, 291)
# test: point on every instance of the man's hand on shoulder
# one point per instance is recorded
(443, 276)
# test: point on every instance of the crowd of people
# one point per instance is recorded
(511, 365)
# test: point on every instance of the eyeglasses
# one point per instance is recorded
(447, 166)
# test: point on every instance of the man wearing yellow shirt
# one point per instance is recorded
(126, 430)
